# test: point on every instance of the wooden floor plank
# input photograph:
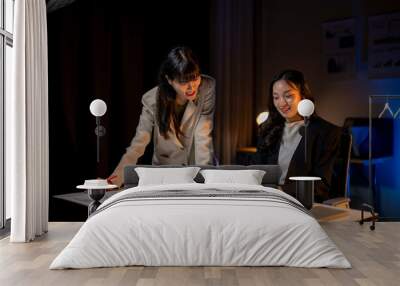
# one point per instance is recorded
(374, 255)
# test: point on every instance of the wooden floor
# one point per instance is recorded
(375, 256)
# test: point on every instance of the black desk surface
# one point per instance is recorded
(82, 198)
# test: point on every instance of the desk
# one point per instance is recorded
(81, 198)
(245, 155)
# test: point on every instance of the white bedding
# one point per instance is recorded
(200, 231)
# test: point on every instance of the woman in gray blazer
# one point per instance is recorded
(178, 112)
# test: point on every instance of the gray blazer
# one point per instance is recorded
(196, 146)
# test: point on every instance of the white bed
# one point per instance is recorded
(185, 230)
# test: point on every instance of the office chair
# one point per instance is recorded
(339, 183)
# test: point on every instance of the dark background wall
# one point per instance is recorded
(292, 35)
(100, 49)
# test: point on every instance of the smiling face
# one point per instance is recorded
(286, 97)
(185, 90)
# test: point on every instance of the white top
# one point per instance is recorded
(305, 178)
(96, 184)
(89, 187)
(290, 140)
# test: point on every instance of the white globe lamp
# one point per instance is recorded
(262, 117)
(305, 108)
(98, 107)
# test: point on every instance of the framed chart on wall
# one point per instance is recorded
(338, 44)
(384, 45)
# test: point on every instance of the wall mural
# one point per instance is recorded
(384, 45)
(339, 47)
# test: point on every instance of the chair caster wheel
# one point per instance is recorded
(372, 227)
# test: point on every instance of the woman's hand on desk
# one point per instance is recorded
(111, 180)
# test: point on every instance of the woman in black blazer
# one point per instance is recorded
(281, 136)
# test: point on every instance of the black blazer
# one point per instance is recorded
(323, 146)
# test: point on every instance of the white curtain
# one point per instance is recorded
(27, 172)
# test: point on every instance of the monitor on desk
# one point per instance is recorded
(382, 137)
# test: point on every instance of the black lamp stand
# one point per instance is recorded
(100, 131)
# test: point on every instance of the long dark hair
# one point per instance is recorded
(181, 65)
(271, 130)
